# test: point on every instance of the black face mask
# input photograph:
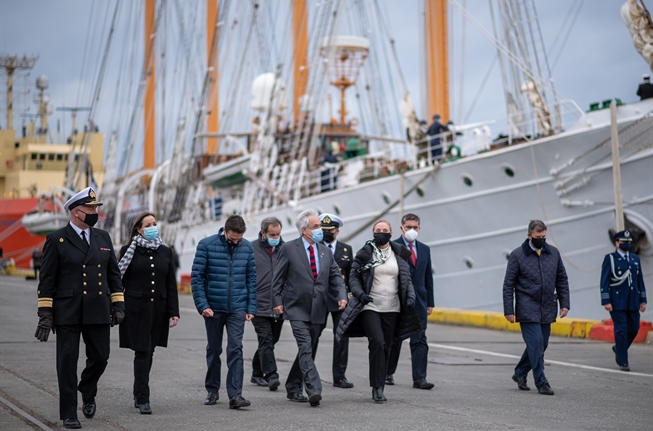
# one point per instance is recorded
(90, 219)
(538, 243)
(329, 237)
(382, 238)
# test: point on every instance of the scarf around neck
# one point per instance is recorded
(139, 241)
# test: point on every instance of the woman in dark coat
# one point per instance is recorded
(382, 306)
(151, 303)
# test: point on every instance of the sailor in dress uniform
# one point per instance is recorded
(623, 295)
(80, 294)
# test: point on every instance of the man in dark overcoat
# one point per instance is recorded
(623, 294)
(535, 282)
(80, 294)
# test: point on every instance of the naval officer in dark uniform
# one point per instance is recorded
(342, 253)
(80, 293)
(623, 294)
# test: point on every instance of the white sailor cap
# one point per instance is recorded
(331, 221)
(83, 197)
(646, 76)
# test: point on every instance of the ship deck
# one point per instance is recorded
(471, 369)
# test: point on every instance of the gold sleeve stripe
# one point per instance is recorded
(118, 297)
(45, 302)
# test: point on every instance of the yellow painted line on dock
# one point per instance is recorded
(565, 327)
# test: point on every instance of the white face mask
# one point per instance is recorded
(410, 235)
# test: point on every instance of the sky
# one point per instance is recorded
(598, 61)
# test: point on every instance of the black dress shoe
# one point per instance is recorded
(624, 367)
(145, 409)
(89, 409)
(71, 423)
(260, 381)
(297, 397)
(237, 401)
(422, 384)
(314, 400)
(343, 383)
(389, 380)
(273, 384)
(521, 382)
(614, 349)
(211, 398)
(377, 395)
(545, 389)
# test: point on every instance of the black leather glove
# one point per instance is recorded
(366, 299)
(117, 315)
(45, 325)
(410, 303)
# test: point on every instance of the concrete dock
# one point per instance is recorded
(470, 367)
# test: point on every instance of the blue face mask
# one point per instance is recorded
(151, 233)
(317, 235)
(624, 246)
(273, 242)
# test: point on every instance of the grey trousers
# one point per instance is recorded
(303, 370)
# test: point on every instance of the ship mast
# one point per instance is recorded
(300, 49)
(10, 64)
(213, 102)
(437, 58)
(149, 160)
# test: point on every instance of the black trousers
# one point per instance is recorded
(303, 370)
(419, 351)
(268, 331)
(96, 339)
(340, 349)
(142, 368)
(379, 329)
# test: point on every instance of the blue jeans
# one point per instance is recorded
(536, 337)
(235, 323)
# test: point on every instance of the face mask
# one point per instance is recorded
(273, 242)
(382, 238)
(538, 243)
(90, 219)
(317, 235)
(411, 235)
(151, 233)
(624, 246)
(329, 237)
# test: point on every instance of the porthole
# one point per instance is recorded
(508, 170)
(289, 220)
(193, 241)
(320, 211)
(468, 180)
(506, 254)
(468, 262)
(386, 197)
(336, 208)
(420, 192)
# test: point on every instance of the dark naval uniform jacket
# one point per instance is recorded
(79, 282)
(622, 282)
(343, 257)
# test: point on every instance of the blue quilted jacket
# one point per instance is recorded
(224, 280)
(536, 284)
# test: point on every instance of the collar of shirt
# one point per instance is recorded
(621, 253)
(414, 243)
(79, 232)
(531, 246)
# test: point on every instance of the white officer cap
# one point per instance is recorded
(331, 221)
(646, 76)
(83, 197)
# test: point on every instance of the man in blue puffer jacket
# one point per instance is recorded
(224, 290)
(535, 282)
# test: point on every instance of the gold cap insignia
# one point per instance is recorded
(60, 239)
(326, 220)
(91, 194)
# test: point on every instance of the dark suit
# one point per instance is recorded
(422, 278)
(343, 257)
(304, 303)
(625, 295)
(79, 284)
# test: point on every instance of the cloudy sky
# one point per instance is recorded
(598, 60)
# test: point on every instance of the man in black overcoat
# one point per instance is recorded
(80, 294)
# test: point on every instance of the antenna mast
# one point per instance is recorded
(11, 64)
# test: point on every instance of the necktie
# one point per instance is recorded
(413, 256)
(313, 263)
(331, 247)
(84, 238)
(626, 257)
(271, 250)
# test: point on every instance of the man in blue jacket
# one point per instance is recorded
(536, 280)
(623, 295)
(224, 290)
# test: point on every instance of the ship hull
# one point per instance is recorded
(475, 211)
